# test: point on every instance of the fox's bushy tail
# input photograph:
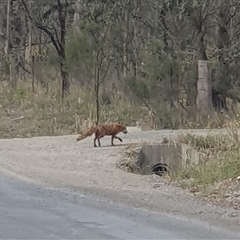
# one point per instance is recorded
(86, 134)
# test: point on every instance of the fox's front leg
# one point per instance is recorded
(118, 138)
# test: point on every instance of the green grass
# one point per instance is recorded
(222, 164)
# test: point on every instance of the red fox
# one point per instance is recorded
(104, 130)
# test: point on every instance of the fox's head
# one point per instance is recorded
(124, 129)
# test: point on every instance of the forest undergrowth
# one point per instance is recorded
(25, 113)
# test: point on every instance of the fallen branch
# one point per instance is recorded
(19, 118)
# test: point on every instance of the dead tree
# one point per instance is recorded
(56, 35)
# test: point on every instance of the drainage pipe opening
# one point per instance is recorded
(160, 169)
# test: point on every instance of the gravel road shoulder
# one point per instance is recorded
(64, 163)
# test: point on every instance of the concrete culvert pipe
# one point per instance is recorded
(160, 169)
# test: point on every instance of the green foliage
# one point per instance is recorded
(21, 93)
(212, 172)
(78, 52)
(139, 88)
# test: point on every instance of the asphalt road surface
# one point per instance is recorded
(32, 212)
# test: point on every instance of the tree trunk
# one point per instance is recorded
(223, 81)
(62, 54)
(97, 104)
(7, 44)
(31, 57)
(64, 78)
(125, 38)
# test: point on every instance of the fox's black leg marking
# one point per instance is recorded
(118, 138)
(96, 137)
(112, 140)
(95, 142)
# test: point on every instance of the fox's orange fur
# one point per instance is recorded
(104, 130)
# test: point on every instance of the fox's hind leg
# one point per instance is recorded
(96, 138)
(94, 142)
(99, 144)
(112, 140)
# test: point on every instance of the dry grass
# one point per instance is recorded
(210, 141)
(129, 160)
(25, 114)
